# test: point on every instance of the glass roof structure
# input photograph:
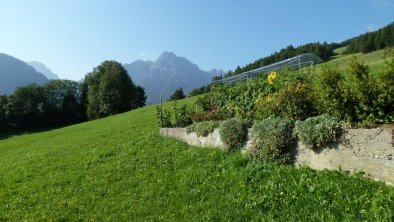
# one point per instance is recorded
(297, 62)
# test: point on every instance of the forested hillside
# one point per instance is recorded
(372, 41)
(324, 51)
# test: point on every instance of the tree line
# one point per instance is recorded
(107, 90)
(372, 41)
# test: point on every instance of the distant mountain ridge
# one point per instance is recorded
(41, 68)
(15, 73)
(166, 74)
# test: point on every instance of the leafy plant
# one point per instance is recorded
(203, 128)
(164, 120)
(274, 139)
(318, 131)
(332, 94)
(180, 116)
(177, 117)
(207, 116)
(293, 101)
(233, 133)
(363, 87)
(386, 82)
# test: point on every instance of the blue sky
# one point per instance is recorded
(73, 36)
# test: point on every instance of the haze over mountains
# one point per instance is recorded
(41, 68)
(15, 73)
(166, 74)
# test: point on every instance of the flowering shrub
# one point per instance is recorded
(271, 77)
(233, 133)
(274, 139)
(318, 131)
(292, 102)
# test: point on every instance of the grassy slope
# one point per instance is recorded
(375, 59)
(119, 168)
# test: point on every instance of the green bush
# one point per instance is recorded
(293, 101)
(165, 118)
(203, 128)
(274, 139)
(332, 94)
(374, 93)
(355, 95)
(177, 117)
(180, 116)
(316, 132)
(233, 133)
(364, 88)
(386, 84)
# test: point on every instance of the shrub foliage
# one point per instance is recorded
(203, 128)
(233, 133)
(274, 139)
(318, 131)
(176, 117)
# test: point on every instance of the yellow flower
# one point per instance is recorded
(300, 87)
(269, 98)
(258, 101)
(271, 77)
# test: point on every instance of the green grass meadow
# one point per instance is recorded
(120, 169)
(375, 59)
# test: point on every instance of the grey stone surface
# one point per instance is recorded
(212, 140)
(367, 150)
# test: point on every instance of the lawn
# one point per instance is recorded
(119, 168)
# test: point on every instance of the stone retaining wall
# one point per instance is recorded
(367, 150)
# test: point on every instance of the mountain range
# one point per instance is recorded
(41, 68)
(15, 73)
(168, 73)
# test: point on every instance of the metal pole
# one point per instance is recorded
(311, 70)
(299, 65)
(161, 111)
(247, 80)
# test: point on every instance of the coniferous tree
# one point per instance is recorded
(372, 41)
(178, 94)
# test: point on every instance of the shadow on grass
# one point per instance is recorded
(11, 133)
